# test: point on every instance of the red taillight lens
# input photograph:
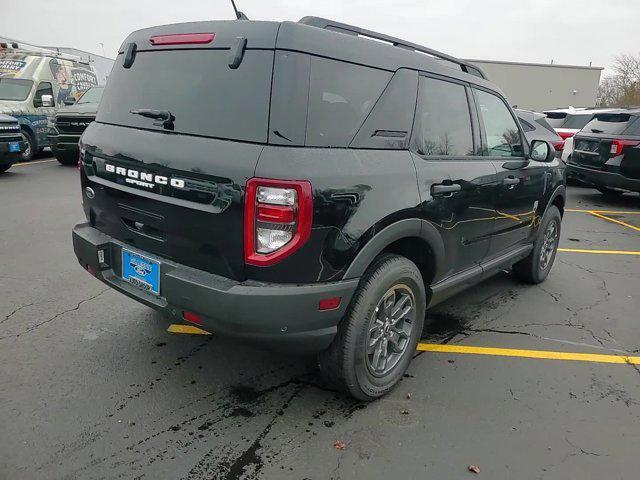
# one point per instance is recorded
(618, 145)
(565, 135)
(277, 219)
(275, 213)
(559, 145)
(183, 39)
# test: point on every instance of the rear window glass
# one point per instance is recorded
(555, 119)
(612, 123)
(205, 96)
(341, 95)
(576, 121)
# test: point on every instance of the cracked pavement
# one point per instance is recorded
(93, 387)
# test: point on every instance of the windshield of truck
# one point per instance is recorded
(14, 89)
(197, 88)
(93, 95)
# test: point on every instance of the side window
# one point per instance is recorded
(443, 121)
(526, 126)
(44, 88)
(501, 131)
(341, 95)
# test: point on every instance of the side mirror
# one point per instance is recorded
(47, 100)
(69, 101)
(542, 151)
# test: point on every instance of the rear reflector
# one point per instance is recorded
(329, 303)
(275, 213)
(193, 317)
(618, 145)
(183, 39)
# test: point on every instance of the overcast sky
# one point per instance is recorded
(568, 31)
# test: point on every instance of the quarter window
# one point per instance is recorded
(443, 121)
(501, 131)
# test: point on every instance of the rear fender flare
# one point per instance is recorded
(411, 227)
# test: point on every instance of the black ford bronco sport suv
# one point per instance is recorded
(311, 186)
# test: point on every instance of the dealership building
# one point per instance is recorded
(537, 86)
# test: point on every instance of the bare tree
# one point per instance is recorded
(623, 88)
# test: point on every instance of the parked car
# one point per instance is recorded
(11, 142)
(607, 152)
(536, 127)
(568, 122)
(33, 85)
(310, 186)
(70, 122)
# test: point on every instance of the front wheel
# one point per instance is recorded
(377, 338)
(29, 152)
(535, 268)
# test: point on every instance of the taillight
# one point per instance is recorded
(565, 135)
(183, 39)
(277, 219)
(558, 145)
(618, 145)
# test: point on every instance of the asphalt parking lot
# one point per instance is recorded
(93, 385)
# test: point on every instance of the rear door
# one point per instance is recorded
(521, 182)
(456, 184)
(174, 187)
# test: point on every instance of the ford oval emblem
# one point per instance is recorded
(88, 191)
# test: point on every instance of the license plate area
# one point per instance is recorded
(141, 271)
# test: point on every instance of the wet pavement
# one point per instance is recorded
(94, 387)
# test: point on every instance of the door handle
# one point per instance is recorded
(443, 189)
(511, 181)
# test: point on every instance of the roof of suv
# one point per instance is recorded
(320, 37)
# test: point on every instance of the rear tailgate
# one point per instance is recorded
(175, 189)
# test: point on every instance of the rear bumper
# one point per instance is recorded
(283, 316)
(601, 178)
(7, 157)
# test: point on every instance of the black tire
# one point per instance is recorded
(346, 362)
(30, 151)
(67, 160)
(4, 168)
(609, 192)
(535, 268)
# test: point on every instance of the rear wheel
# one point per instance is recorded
(609, 192)
(377, 338)
(29, 152)
(535, 268)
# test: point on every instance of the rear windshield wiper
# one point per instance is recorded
(595, 130)
(165, 115)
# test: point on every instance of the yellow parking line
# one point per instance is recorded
(22, 164)
(605, 212)
(188, 329)
(609, 219)
(541, 354)
(606, 252)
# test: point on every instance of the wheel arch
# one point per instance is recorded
(413, 238)
(558, 198)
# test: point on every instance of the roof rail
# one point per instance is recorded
(397, 42)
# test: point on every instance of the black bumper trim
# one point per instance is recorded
(282, 316)
(601, 178)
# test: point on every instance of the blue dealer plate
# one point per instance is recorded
(14, 147)
(142, 272)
